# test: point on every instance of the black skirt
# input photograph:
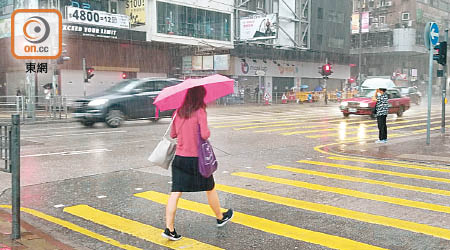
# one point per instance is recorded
(187, 178)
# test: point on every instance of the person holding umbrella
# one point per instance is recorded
(190, 121)
(381, 109)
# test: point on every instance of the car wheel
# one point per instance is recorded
(114, 118)
(400, 111)
(87, 123)
(346, 115)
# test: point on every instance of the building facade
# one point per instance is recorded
(391, 42)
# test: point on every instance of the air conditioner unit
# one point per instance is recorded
(388, 3)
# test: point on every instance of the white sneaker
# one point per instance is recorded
(379, 141)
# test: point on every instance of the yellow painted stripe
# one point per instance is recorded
(355, 127)
(394, 164)
(266, 225)
(134, 228)
(247, 124)
(366, 137)
(362, 180)
(373, 130)
(341, 212)
(290, 124)
(75, 228)
(302, 127)
(348, 192)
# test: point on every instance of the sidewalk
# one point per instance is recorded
(412, 148)
(31, 238)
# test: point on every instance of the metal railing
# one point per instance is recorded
(34, 108)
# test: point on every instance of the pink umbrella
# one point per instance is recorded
(173, 97)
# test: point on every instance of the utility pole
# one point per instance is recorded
(84, 77)
(444, 88)
(360, 46)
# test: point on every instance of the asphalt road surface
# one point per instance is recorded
(93, 188)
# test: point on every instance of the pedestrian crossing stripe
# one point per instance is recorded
(341, 212)
(355, 132)
(347, 192)
(362, 180)
(266, 225)
(269, 125)
(394, 164)
(75, 228)
(134, 228)
(345, 122)
(273, 122)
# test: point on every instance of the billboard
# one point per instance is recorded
(365, 22)
(135, 9)
(258, 27)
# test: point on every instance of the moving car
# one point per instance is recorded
(128, 99)
(364, 105)
(412, 93)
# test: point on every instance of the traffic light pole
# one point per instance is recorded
(84, 77)
(429, 91)
(444, 87)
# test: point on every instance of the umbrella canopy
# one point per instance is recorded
(304, 86)
(173, 97)
(318, 88)
(378, 83)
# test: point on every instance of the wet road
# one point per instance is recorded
(94, 189)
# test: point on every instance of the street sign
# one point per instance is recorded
(431, 34)
(434, 34)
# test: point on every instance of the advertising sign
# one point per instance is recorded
(135, 10)
(208, 63)
(221, 62)
(258, 27)
(187, 64)
(355, 23)
(197, 63)
(365, 22)
(104, 32)
(95, 17)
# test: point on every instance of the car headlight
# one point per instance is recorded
(344, 104)
(364, 105)
(98, 102)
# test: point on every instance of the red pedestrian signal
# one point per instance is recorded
(326, 70)
(89, 74)
(124, 75)
(351, 80)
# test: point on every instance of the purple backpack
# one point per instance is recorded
(207, 162)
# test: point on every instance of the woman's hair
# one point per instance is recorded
(193, 101)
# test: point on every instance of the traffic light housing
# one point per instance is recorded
(89, 74)
(124, 75)
(441, 53)
(326, 70)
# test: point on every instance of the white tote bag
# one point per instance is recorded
(164, 152)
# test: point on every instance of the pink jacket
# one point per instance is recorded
(186, 132)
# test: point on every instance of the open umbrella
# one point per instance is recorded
(173, 97)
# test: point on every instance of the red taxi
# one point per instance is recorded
(364, 105)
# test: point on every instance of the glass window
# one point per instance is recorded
(320, 13)
(186, 21)
(147, 87)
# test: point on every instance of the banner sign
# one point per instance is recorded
(355, 23)
(95, 17)
(221, 62)
(135, 10)
(258, 27)
(365, 22)
(103, 32)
